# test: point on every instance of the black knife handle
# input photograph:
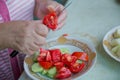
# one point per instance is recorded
(14, 53)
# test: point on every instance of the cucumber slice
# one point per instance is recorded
(115, 49)
(79, 61)
(36, 67)
(115, 42)
(51, 76)
(35, 56)
(52, 71)
(44, 72)
(118, 52)
(117, 33)
(64, 50)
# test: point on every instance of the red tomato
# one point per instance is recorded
(63, 73)
(51, 20)
(76, 67)
(56, 55)
(81, 55)
(68, 60)
(44, 55)
(45, 64)
(48, 57)
(59, 65)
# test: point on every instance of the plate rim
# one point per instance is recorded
(111, 31)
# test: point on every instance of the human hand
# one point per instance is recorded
(43, 7)
(23, 36)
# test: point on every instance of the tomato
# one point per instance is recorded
(76, 67)
(56, 55)
(63, 73)
(59, 65)
(81, 55)
(51, 20)
(48, 57)
(44, 55)
(67, 59)
(45, 64)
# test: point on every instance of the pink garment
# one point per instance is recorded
(10, 10)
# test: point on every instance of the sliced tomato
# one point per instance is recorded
(68, 60)
(81, 55)
(63, 73)
(56, 55)
(59, 65)
(76, 67)
(51, 20)
(45, 64)
(48, 57)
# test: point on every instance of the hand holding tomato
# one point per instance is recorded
(43, 8)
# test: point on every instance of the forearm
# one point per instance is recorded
(2, 36)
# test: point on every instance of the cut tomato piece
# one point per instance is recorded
(51, 20)
(59, 65)
(63, 73)
(76, 67)
(45, 64)
(68, 60)
(56, 55)
(81, 55)
(48, 57)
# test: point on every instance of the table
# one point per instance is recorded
(92, 19)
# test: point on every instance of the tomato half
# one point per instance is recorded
(63, 73)
(76, 67)
(68, 60)
(81, 55)
(56, 55)
(45, 64)
(51, 20)
(59, 65)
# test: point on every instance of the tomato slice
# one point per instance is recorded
(51, 20)
(56, 55)
(81, 55)
(45, 64)
(76, 67)
(68, 60)
(59, 65)
(44, 55)
(63, 73)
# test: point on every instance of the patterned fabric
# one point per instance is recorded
(10, 10)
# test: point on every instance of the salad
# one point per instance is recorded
(58, 63)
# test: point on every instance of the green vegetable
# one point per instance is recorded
(115, 42)
(52, 72)
(115, 49)
(44, 72)
(79, 61)
(36, 67)
(117, 33)
(35, 56)
(64, 50)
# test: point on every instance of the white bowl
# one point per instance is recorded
(107, 37)
(73, 44)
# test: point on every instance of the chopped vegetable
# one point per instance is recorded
(51, 20)
(81, 55)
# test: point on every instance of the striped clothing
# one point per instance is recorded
(12, 10)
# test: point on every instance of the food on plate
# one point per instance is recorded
(59, 63)
(114, 43)
(51, 20)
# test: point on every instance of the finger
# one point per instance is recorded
(60, 25)
(39, 40)
(62, 16)
(34, 47)
(41, 30)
